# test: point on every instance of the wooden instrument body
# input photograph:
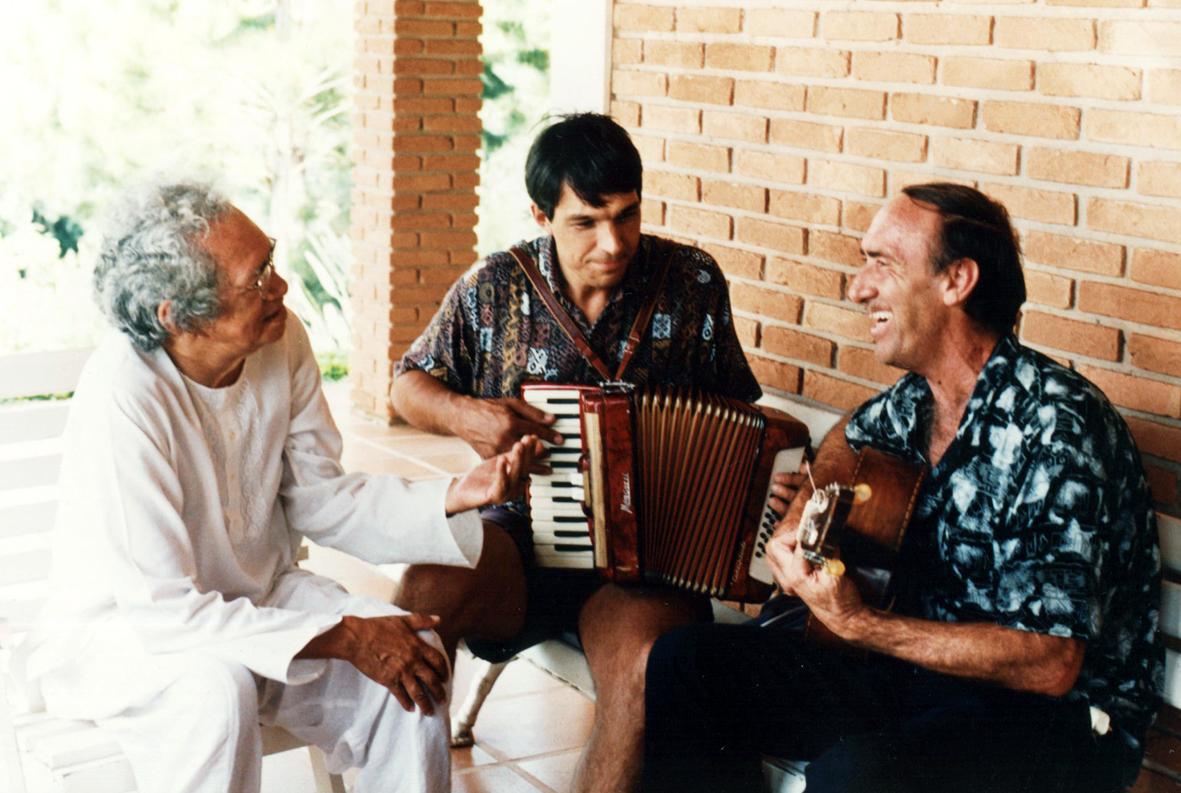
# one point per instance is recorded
(870, 536)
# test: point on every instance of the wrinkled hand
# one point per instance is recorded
(492, 426)
(498, 479)
(389, 651)
(834, 600)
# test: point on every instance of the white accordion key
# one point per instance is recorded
(786, 460)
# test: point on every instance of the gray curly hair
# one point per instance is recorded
(153, 252)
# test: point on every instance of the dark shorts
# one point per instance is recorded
(554, 597)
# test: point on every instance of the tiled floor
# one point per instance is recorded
(533, 726)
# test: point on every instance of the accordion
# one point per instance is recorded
(663, 485)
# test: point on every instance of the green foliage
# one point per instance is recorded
(334, 365)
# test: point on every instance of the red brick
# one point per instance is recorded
(1155, 438)
(643, 17)
(812, 62)
(838, 248)
(734, 126)
(736, 262)
(1164, 85)
(860, 362)
(1088, 79)
(1069, 335)
(1159, 178)
(1140, 220)
(1008, 75)
(700, 88)
(780, 22)
(850, 102)
(1076, 167)
(805, 278)
(652, 212)
(848, 322)
(1044, 33)
(626, 113)
(699, 156)
(625, 52)
(629, 82)
(765, 234)
(1155, 355)
(775, 374)
(682, 54)
(1027, 118)
(894, 67)
(751, 198)
(809, 207)
(709, 20)
(650, 147)
(679, 186)
(773, 168)
(940, 111)
(741, 57)
(1162, 482)
(1073, 253)
(1139, 129)
(765, 94)
(1047, 289)
(699, 222)
(946, 28)
(1046, 206)
(1137, 393)
(805, 134)
(671, 119)
(857, 215)
(1133, 305)
(883, 144)
(1147, 38)
(972, 154)
(1159, 268)
(770, 303)
(793, 343)
(747, 331)
(858, 26)
(835, 391)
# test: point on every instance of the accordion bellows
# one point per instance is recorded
(676, 483)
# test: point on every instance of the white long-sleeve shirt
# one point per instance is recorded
(182, 509)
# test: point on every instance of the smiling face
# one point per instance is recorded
(594, 244)
(906, 299)
(250, 318)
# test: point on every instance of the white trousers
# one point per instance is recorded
(202, 734)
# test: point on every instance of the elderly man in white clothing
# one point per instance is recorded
(199, 453)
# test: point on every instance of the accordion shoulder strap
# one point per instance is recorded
(634, 336)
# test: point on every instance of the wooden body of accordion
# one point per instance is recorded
(675, 484)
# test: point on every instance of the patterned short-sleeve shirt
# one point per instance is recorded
(1038, 517)
(493, 332)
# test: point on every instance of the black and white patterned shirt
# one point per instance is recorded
(1038, 517)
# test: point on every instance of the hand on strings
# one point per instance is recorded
(494, 425)
(831, 597)
(497, 479)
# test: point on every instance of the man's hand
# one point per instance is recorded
(498, 479)
(389, 651)
(784, 489)
(832, 599)
(492, 426)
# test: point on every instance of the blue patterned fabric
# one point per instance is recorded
(1038, 517)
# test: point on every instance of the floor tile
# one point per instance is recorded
(532, 724)
(491, 779)
(556, 771)
(470, 757)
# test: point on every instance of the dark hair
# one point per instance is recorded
(589, 152)
(978, 228)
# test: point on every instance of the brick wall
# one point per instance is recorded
(417, 91)
(772, 133)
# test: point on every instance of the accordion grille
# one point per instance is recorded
(696, 454)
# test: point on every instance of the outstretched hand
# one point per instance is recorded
(497, 479)
(492, 426)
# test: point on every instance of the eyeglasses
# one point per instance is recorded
(268, 270)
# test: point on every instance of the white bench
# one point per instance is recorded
(1161, 767)
(38, 752)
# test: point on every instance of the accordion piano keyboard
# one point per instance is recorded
(561, 532)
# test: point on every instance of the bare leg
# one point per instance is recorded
(618, 627)
(486, 602)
